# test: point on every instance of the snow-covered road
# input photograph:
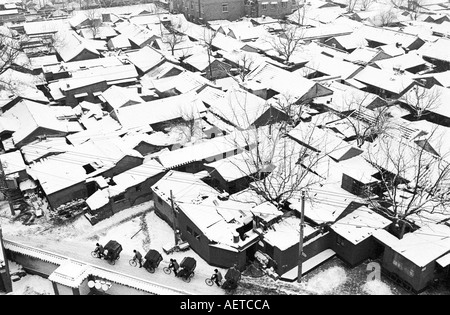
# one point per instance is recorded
(80, 252)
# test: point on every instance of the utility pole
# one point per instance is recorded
(300, 249)
(174, 226)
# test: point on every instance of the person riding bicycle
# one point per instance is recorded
(217, 277)
(99, 250)
(138, 257)
(174, 265)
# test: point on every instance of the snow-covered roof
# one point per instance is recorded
(135, 176)
(386, 36)
(30, 116)
(211, 150)
(359, 225)
(326, 203)
(119, 42)
(282, 81)
(117, 97)
(39, 62)
(70, 274)
(402, 62)
(240, 107)
(82, 65)
(332, 66)
(433, 100)
(145, 59)
(12, 162)
(183, 83)
(235, 167)
(23, 85)
(384, 79)
(102, 32)
(363, 55)
(346, 98)
(71, 45)
(40, 148)
(187, 106)
(185, 187)
(424, 245)
(351, 41)
(439, 50)
(56, 173)
(286, 233)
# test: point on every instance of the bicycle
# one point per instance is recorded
(133, 262)
(210, 281)
(167, 270)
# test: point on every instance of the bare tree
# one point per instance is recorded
(9, 50)
(421, 100)
(365, 4)
(415, 6)
(188, 127)
(174, 34)
(366, 124)
(386, 17)
(351, 4)
(412, 180)
(288, 41)
(240, 67)
(94, 21)
(208, 38)
(278, 166)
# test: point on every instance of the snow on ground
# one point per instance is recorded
(327, 281)
(377, 287)
(30, 284)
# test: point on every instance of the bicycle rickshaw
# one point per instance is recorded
(232, 278)
(187, 268)
(152, 260)
(114, 249)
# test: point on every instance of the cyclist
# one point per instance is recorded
(217, 277)
(174, 265)
(99, 250)
(138, 257)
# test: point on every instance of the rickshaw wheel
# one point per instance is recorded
(188, 279)
(112, 261)
(167, 270)
(151, 270)
(94, 254)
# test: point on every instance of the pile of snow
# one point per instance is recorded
(32, 285)
(376, 287)
(327, 281)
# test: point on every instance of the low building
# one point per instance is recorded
(220, 231)
(418, 258)
(126, 190)
(352, 235)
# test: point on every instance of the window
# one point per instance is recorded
(197, 236)
(273, 5)
(340, 241)
(294, 2)
(264, 6)
(159, 200)
(189, 230)
(224, 7)
(192, 5)
(119, 198)
(284, 5)
(139, 187)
